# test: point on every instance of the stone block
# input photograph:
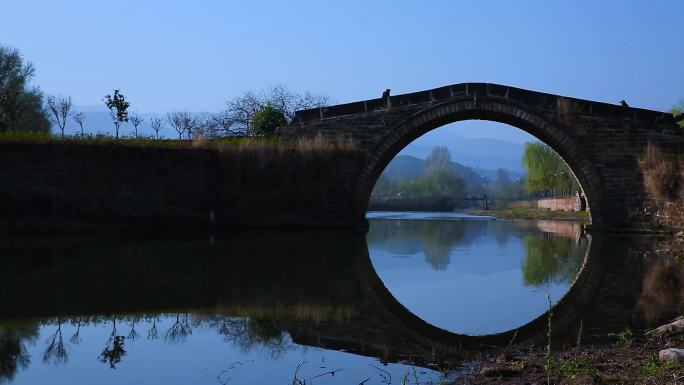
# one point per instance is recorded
(671, 356)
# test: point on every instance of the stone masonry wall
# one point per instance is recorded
(557, 204)
(77, 187)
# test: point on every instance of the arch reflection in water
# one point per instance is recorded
(473, 275)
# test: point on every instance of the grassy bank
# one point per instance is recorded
(623, 359)
(518, 213)
(317, 143)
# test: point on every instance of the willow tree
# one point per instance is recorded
(546, 171)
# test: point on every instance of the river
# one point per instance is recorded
(407, 299)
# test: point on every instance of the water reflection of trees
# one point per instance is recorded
(246, 333)
(114, 350)
(552, 259)
(153, 331)
(250, 333)
(13, 353)
(55, 352)
(76, 337)
(435, 239)
(179, 331)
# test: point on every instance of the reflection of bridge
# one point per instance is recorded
(601, 142)
(321, 288)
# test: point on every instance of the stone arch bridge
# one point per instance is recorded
(601, 142)
(82, 186)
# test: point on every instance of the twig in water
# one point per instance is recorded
(388, 378)
(364, 381)
(405, 378)
(415, 376)
(332, 373)
(223, 381)
(297, 380)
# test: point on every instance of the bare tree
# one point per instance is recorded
(189, 124)
(135, 120)
(206, 125)
(181, 121)
(156, 124)
(59, 107)
(175, 120)
(226, 124)
(237, 117)
(79, 118)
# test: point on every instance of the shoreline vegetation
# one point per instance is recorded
(304, 144)
(624, 358)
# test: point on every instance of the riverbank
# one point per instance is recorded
(623, 358)
(427, 204)
(520, 213)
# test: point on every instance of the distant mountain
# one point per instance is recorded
(404, 167)
(484, 153)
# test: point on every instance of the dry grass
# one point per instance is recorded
(321, 143)
(661, 174)
(318, 144)
(307, 145)
(199, 141)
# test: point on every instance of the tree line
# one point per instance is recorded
(24, 108)
(437, 180)
(547, 175)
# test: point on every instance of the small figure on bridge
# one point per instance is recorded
(386, 99)
(623, 103)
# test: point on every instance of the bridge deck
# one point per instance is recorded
(475, 90)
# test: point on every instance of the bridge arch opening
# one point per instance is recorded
(383, 237)
(495, 110)
(479, 167)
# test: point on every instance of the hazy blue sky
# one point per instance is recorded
(195, 55)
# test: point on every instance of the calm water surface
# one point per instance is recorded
(474, 275)
(326, 307)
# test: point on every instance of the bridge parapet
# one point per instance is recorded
(540, 100)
